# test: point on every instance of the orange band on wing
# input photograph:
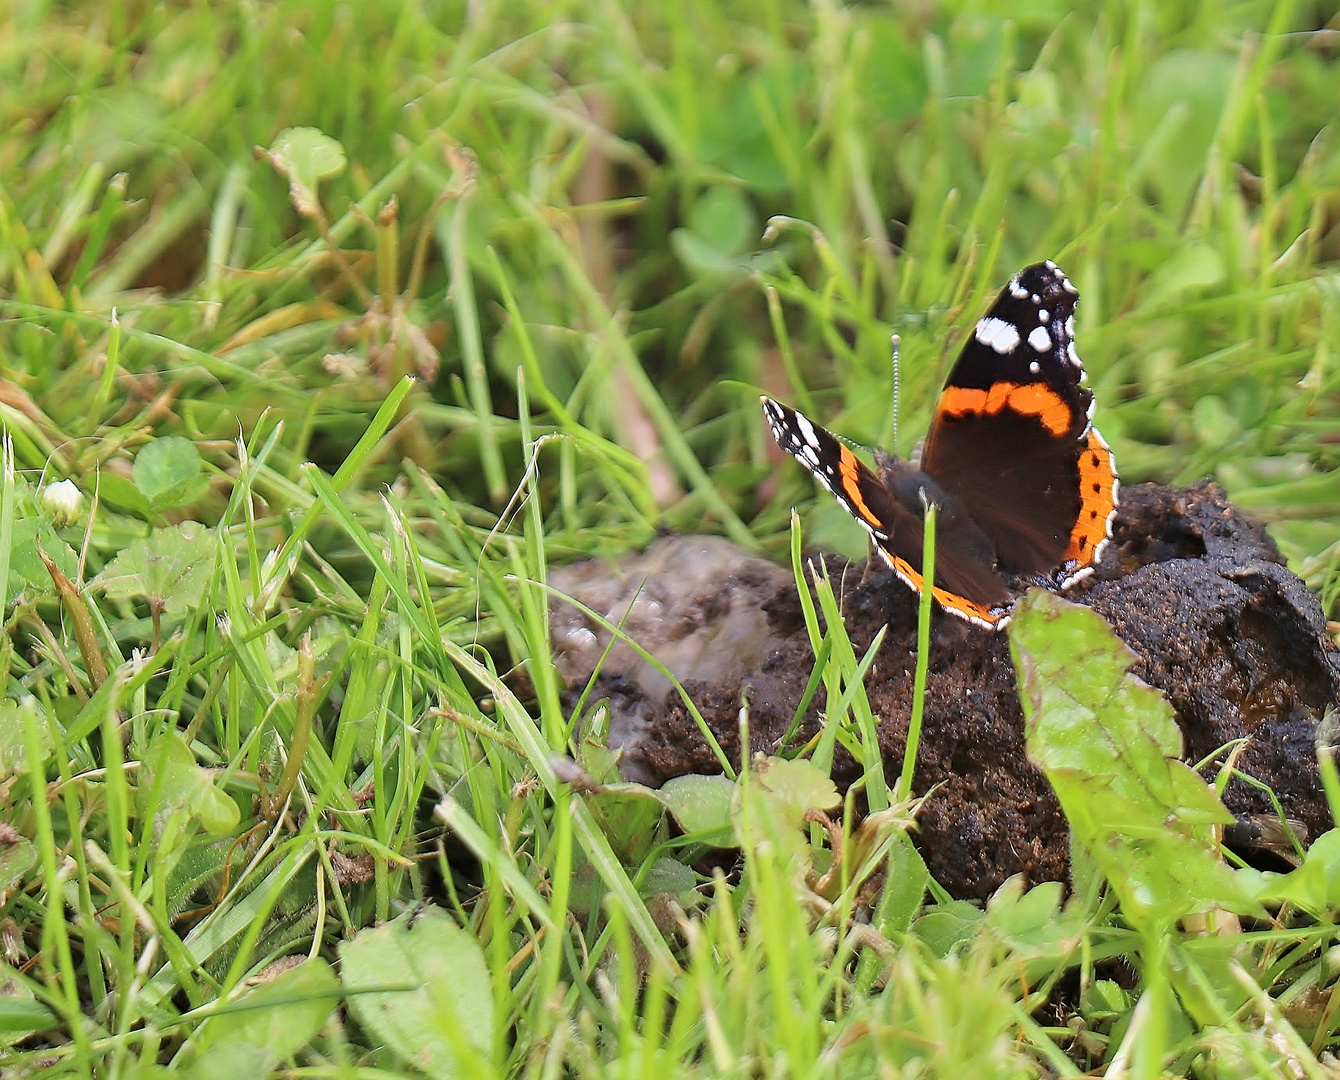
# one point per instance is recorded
(1098, 501)
(849, 472)
(1028, 399)
(990, 618)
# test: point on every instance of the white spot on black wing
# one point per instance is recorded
(1000, 335)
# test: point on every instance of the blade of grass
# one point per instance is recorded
(904, 788)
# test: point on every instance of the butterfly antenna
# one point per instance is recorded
(897, 372)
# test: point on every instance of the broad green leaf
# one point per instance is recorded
(943, 926)
(1213, 423)
(26, 569)
(20, 1012)
(1109, 745)
(668, 875)
(420, 985)
(121, 492)
(233, 1061)
(1104, 1001)
(147, 1070)
(185, 493)
(701, 804)
(702, 258)
(771, 805)
(17, 857)
(269, 1023)
(599, 761)
(170, 568)
(1315, 885)
(894, 75)
(1033, 923)
(164, 464)
(305, 156)
(1192, 269)
(796, 786)
(628, 815)
(186, 786)
(723, 218)
(1174, 119)
(735, 137)
(904, 889)
(13, 748)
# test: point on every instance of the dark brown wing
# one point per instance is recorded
(1012, 424)
(965, 582)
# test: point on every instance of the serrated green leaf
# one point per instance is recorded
(421, 986)
(796, 786)
(1109, 745)
(1033, 923)
(170, 568)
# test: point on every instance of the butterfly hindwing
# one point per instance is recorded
(965, 583)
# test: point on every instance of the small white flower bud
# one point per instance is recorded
(62, 501)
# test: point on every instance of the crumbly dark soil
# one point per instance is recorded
(1195, 588)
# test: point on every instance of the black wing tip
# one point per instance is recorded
(1043, 278)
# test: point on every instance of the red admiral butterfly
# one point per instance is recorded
(1024, 483)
